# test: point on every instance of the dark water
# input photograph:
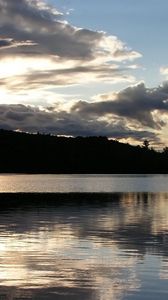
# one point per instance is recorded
(110, 248)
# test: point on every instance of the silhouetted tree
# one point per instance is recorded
(165, 150)
(146, 144)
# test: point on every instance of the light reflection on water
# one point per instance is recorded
(64, 183)
(113, 248)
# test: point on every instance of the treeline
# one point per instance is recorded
(37, 153)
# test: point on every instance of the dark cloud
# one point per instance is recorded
(11, 43)
(32, 119)
(35, 21)
(32, 29)
(137, 103)
(25, 19)
(32, 32)
(5, 43)
(30, 20)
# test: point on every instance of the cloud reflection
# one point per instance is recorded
(56, 251)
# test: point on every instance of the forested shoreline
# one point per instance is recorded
(37, 153)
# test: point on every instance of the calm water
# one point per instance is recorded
(110, 249)
(83, 183)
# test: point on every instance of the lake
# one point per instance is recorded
(83, 183)
(105, 238)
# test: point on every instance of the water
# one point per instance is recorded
(102, 247)
(83, 183)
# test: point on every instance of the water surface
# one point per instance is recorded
(110, 249)
(83, 183)
(98, 237)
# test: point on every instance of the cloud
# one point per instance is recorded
(32, 30)
(10, 43)
(37, 22)
(61, 122)
(132, 114)
(40, 51)
(164, 71)
(63, 77)
(136, 103)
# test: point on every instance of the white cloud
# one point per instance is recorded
(164, 71)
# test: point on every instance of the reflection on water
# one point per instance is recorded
(65, 183)
(113, 248)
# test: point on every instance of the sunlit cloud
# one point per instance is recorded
(164, 71)
(132, 114)
(62, 121)
(35, 36)
(40, 52)
(137, 103)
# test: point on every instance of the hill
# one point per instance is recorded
(37, 153)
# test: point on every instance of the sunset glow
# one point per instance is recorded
(56, 51)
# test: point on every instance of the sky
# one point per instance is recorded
(72, 67)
